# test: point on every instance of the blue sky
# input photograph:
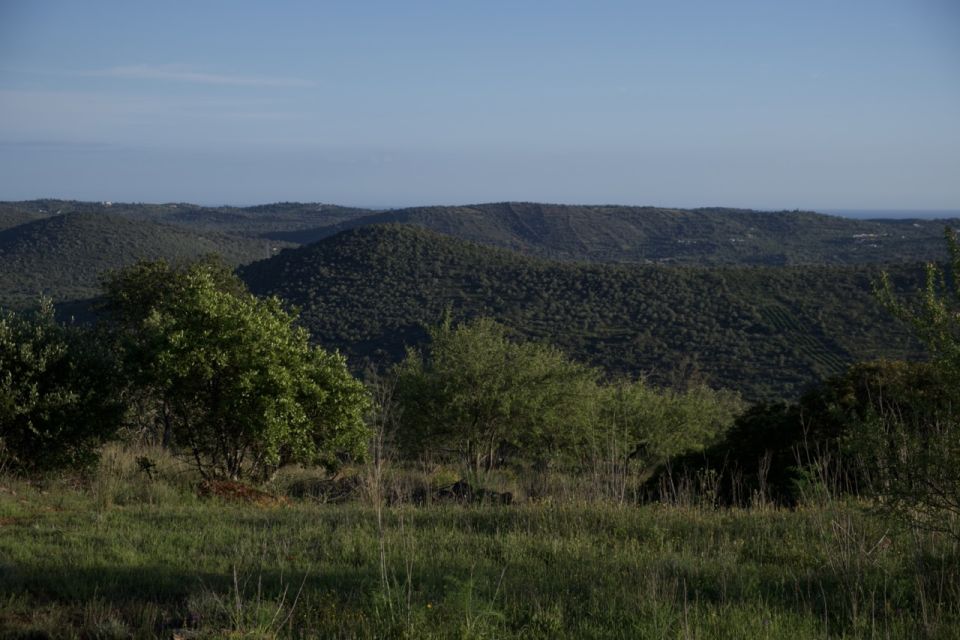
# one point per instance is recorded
(767, 104)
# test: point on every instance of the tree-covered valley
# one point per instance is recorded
(420, 425)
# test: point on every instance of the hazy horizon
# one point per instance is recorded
(894, 213)
(817, 105)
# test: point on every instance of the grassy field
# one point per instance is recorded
(125, 555)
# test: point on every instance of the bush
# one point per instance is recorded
(236, 385)
(650, 425)
(775, 451)
(916, 456)
(479, 397)
(59, 397)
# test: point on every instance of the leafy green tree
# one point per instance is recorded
(476, 394)
(644, 427)
(59, 397)
(235, 383)
(131, 295)
(934, 313)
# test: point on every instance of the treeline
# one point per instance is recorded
(769, 333)
(186, 357)
(252, 222)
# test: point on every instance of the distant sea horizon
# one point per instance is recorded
(857, 214)
(867, 214)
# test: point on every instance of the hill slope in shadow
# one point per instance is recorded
(63, 256)
(767, 332)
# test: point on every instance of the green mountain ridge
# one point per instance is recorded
(768, 332)
(253, 222)
(706, 236)
(594, 233)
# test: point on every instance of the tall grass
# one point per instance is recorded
(132, 554)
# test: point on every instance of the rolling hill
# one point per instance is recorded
(767, 332)
(12, 215)
(63, 256)
(638, 308)
(701, 237)
(584, 233)
(254, 222)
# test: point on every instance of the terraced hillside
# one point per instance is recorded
(768, 332)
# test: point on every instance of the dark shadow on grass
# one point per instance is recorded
(159, 584)
(842, 602)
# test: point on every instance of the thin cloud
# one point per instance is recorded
(53, 145)
(181, 74)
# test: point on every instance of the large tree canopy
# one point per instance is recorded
(235, 384)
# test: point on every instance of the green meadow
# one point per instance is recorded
(124, 554)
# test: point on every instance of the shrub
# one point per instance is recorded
(776, 450)
(480, 396)
(237, 386)
(916, 456)
(59, 398)
(651, 425)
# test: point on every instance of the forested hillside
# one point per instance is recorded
(695, 237)
(703, 237)
(63, 256)
(767, 332)
(12, 217)
(254, 222)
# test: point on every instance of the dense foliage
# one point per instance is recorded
(644, 426)
(915, 455)
(768, 333)
(831, 439)
(481, 396)
(58, 394)
(482, 399)
(234, 384)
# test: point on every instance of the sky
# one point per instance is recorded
(851, 104)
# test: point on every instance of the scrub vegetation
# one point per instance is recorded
(194, 465)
